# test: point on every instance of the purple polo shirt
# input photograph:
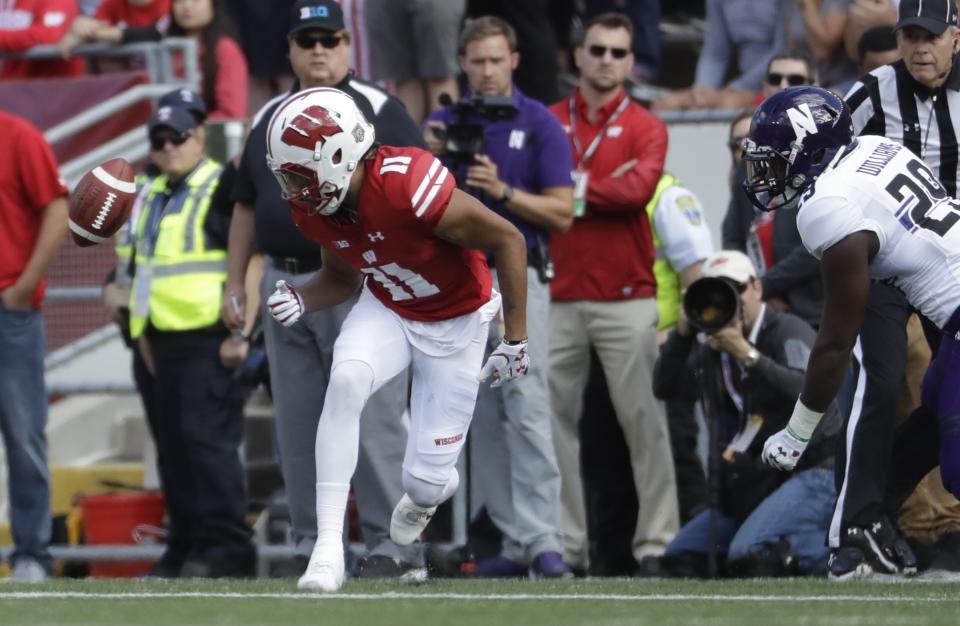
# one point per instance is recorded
(531, 152)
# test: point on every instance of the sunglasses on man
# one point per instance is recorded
(308, 41)
(160, 138)
(794, 80)
(600, 51)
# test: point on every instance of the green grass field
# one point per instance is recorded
(487, 603)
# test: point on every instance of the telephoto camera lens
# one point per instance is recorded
(711, 303)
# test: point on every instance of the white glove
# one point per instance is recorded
(506, 362)
(783, 449)
(286, 304)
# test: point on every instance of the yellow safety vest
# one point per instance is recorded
(178, 281)
(126, 239)
(668, 281)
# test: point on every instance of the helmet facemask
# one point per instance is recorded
(769, 184)
(301, 187)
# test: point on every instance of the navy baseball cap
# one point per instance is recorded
(177, 118)
(185, 99)
(931, 15)
(322, 14)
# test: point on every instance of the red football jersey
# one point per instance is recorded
(409, 269)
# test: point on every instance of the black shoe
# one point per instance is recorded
(449, 562)
(382, 566)
(168, 565)
(648, 567)
(294, 567)
(848, 563)
(889, 551)
(234, 562)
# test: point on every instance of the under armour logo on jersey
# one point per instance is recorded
(341, 243)
(377, 236)
(398, 164)
(370, 257)
(801, 118)
(516, 139)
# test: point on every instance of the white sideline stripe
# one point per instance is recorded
(42, 595)
(423, 183)
(86, 234)
(111, 181)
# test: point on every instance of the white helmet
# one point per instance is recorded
(315, 139)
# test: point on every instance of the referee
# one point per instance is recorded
(915, 101)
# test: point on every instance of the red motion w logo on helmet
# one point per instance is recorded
(309, 128)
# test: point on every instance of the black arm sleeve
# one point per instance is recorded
(783, 357)
(217, 224)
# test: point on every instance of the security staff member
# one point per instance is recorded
(116, 288)
(319, 50)
(682, 242)
(524, 175)
(179, 271)
(914, 102)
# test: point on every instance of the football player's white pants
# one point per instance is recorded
(375, 344)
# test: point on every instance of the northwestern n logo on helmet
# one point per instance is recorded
(309, 128)
(801, 118)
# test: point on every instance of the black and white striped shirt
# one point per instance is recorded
(890, 102)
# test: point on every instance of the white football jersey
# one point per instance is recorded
(877, 185)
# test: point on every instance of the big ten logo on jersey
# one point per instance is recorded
(403, 284)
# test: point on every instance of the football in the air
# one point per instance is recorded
(101, 202)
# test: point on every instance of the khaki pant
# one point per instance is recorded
(624, 335)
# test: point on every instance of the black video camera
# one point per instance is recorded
(711, 303)
(463, 139)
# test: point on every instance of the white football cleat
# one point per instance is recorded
(408, 521)
(325, 570)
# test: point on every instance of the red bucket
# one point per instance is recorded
(112, 519)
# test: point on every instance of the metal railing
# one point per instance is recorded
(159, 63)
(158, 57)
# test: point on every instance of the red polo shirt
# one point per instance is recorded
(29, 181)
(608, 254)
(28, 23)
(122, 13)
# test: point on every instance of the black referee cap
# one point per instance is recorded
(931, 15)
(323, 14)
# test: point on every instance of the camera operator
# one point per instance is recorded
(751, 366)
(521, 171)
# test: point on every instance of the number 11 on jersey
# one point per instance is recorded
(400, 281)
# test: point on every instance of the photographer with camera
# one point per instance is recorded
(510, 152)
(748, 369)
